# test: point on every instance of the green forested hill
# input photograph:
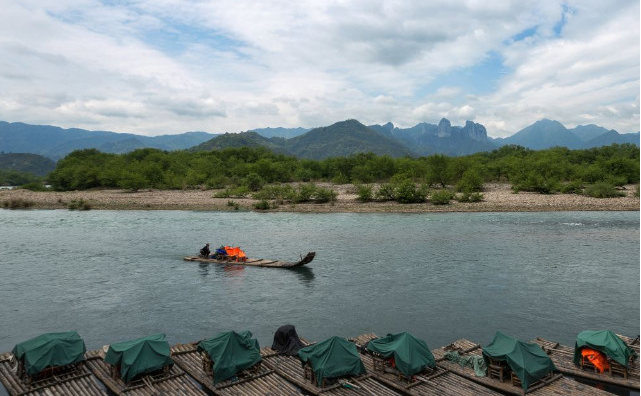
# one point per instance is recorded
(28, 163)
(342, 139)
(338, 140)
(243, 139)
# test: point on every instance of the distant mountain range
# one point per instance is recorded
(340, 139)
(54, 142)
(545, 133)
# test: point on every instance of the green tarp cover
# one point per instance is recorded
(231, 353)
(603, 341)
(331, 358)
(528, 361)
(410, 354)
(472, 361)
(139, 356)
(50, 349)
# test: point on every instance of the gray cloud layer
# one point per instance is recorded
(168, 66)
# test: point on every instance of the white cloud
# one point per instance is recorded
(168, 66)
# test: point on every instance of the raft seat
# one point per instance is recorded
(497, 369)
(617, 368)
(587, 365)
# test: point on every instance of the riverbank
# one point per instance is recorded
(496, 198)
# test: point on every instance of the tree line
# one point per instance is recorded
(546, 171)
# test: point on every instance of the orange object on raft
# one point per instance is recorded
(235, 252)
(597, 359)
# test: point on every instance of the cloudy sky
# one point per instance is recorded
(157, 67)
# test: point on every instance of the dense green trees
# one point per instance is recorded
(547, 171)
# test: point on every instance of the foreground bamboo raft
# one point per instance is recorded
(78, 382)
(258, 382)
(175, 382)
(562, 356)
(284, 375)
(556, 385)
(439, 381)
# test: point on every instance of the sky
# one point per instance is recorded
(155, 67)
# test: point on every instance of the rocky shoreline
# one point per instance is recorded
(496, 198)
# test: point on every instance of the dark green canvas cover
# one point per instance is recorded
(50, 349)
(410, 354)
(331, 358)
(603, 341)
(139, 356)
(528, 361)
(231, 353)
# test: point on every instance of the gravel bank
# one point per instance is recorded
(497, 198)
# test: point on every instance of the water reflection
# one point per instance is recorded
(305, 274)
(204, 269)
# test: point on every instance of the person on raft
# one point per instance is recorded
(204, 252)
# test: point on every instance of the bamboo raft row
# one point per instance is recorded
(563, 355)
(263, 381)
(557, 385)
(438, 382)
(176, 383)
(78, 382)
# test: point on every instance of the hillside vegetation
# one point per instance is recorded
(250, 169)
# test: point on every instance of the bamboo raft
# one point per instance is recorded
(563, 355)
(291, 369)
(176, 382)
(263, 381)
(430, 383)
(256, 262)
(557, 385)
(78, 382)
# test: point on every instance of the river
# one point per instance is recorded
(116, 275)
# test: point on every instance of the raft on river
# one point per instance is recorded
(228, 259)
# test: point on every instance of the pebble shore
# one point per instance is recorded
(496, 198)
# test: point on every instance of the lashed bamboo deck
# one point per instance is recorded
(563, 355)
(290, 368)
(253, 262)
(440, 382)
(77, 383)
(177, 383)
(264, 382)
(558, 385)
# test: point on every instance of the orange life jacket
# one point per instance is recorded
(598, 359)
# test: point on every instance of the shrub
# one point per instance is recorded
(636, 191)
(364, 192)
(386, 192)
(535, 183)
(470, 182)
(603, 190)
(238, 192)
(441, 197)
(34, 186)
(323, 195)
(469, 197)
(79, 204)
(233, 204)
(408, 192)
(17, 203)
(263, 204)
(573, 187)
(305, 193)
(281, 193)
(254, 182)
